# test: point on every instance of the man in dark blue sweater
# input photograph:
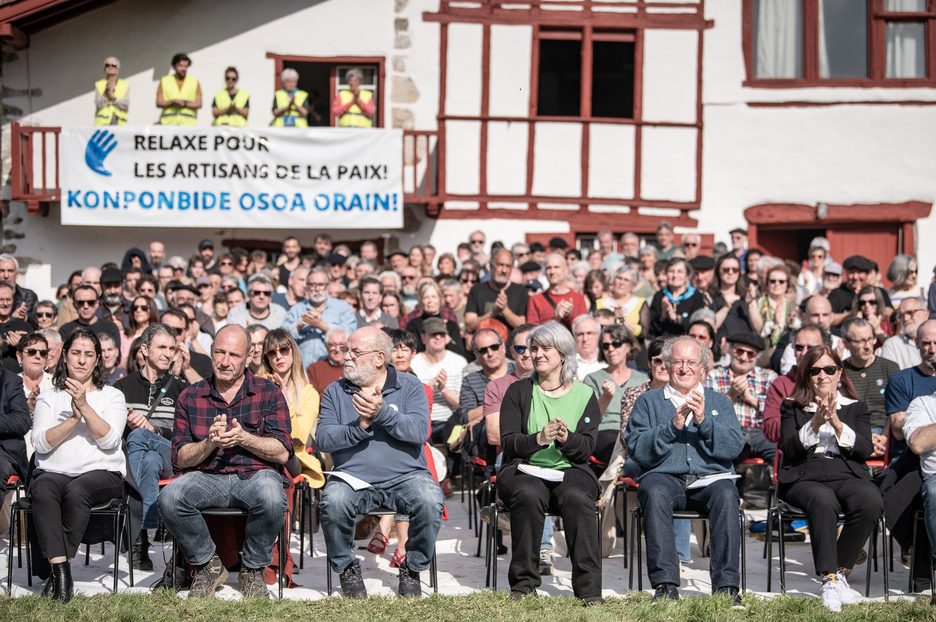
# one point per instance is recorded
(375, 422)
(684, 438)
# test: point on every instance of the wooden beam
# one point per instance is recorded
(776, 214)
(14, 36)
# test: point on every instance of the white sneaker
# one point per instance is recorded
(831, 598)
(845, 593)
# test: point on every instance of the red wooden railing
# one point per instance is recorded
(36, 164)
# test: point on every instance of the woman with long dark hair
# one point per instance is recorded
(77, 430)
(825, 435)
(143, 312)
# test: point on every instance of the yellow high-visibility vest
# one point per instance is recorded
(222, 100)
(173, 115)
(291, 118)
(355, 116)
(105, 115)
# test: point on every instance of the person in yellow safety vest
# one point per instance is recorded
(354, 107)
(231, 106)
(290, 105)
(179, 95)
(112, 96)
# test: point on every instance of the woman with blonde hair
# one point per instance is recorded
(417, 259)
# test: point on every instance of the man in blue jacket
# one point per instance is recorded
(683, 438)
(374, 422)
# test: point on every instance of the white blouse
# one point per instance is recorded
(80, 453)
(826, 441)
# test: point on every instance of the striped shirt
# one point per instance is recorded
(140, 395)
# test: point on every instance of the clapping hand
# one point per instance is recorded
(608, 388)
(551, 432)
(136, 420)
(564, 309)
(231, 438)
(669, 309)
(21, 311)
(696, 403)
(77, 392)
(366, 405)
(440, 380)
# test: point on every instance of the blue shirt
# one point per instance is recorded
(311, 341)
(905, 386)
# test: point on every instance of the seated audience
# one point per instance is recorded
(675, 302)
(331, 368)
(558, 302)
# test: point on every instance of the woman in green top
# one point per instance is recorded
(550, 420)
(618, 346)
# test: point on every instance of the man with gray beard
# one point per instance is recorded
(308, 320)
(374, 422)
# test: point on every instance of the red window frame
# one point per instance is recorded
(877, 49)
(587, 35)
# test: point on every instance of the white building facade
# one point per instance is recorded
(531, 119)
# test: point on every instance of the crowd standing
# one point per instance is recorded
(240, 375)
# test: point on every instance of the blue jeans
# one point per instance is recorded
(659, 494)
(682, 529)
(415, 495)
(929, 507)
(262, 496)
(150, 457)
(547, 535)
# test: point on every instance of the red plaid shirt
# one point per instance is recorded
(759, 380)
(259, 408)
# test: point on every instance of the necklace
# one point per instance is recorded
(545, 390)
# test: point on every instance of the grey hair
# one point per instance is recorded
(334, 331)
(516, 247)
(474, 337)
(150, 332)
(317, 270)
(573, 284)
(850, 323)
(288, 73)
(352, 73)
(378, 340)
(396, 277)
(230, 278)
(450, 284)
(704, 314)
(648, 250)
(900, 269)
(108, 337)
(555, 335)
(635, 278)
(8, 257)
(427, 286)
(297, 270)
(116, 61)
(630, 234)
(768, 263)
(822, 243)
(260, 278)
(580, 264)
(54, 338)
(823, 334)
(582, 318)
(670, 343)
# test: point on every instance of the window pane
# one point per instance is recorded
(906, 50)
(778, 38)
(560, 79)
(905, 6)
(843, 39)
(613, 79)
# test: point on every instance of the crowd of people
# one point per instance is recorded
(242, 374)
(179, 98)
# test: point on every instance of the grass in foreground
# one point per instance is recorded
(479, 607)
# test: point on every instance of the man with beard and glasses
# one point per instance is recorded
(374, 423)
(116, 305)
(24, 300)
(308, 320)
(901, 348)
(497, 298)
(409, 277)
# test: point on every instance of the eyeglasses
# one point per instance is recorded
(259, 292)
(730, 270)
(226, 263)
(477, 241)
(34, 352)
(46, 314)
(617, 343)
(316, 285)
(903, 314)
(351, 354)
(657, 361)
(282, 351)
(690, 243)
(408, 278)
(681, 364)
(519, 349)
(861, 342)
(865, 303)
(777, 281)
(335, 345)
(176, 331)
(800, 347)
(494, 347)
(468, 280)
(230, 79)
(106, 65)
(829, 370)
(139, 308)
(743, 353)
(85, 303)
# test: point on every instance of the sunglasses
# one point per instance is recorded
(799, 347)
(110, 65)
(230, 79)
(519, 349)
(617, 343)
(226, 263)
(45, 314)
(408, 278)
(85, 303)
(468, 280)
(742, 353)
(493, 348)
(656, 360)
(176, 331)
(777, 281)
(282, 351)
(865, 303)
(730, 270)
(693, 244)
(477, 241)
(139, 308)
(34, 352)
(829, 370)
(259, 292)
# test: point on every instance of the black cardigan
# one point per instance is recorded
(519, 446)
(792, 418)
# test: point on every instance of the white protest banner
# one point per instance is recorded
(222, 177)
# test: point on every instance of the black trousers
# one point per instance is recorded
(62, 506)
(827, 488)
(528, 498)
(7, 468)
(604, 445)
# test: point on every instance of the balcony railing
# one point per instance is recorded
(34, 175)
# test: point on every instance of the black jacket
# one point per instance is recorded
(15, 420)
(661, 325)
(519, 446)
(795, 456)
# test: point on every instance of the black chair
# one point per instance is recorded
(433, 576)
(119, 509)
(307, 505)
(486, 495)
(623, 486)
(234, 512)
(637, 531)
(473, 470)
(490, 579)
(15, 485)
(918, 517)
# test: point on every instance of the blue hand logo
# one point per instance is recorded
(99, 147)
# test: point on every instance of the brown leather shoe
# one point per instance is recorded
(447, 488)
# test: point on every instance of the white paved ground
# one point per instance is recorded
(460, 572)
